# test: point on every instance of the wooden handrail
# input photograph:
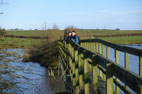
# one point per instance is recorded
(130, 50)
(77, 54)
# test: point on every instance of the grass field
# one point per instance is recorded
(89, 32)
(20, 42)
(86, 32)
(31, 33)
(7, 42)
(124, 40)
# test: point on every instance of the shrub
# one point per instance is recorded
(70, 29)
(2, 32)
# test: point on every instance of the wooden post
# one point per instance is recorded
(87, 86)
(92, 47)
(117, 62)
(81, 67)
(73, 66)
(97, 47)
(140, 71)
(127, 65)
(100, 52)
(103, 52)
(76, 72)
(85, 45)
(108, 53)
(100, 48)
(95, 77)
(109, 79)
(70, 61)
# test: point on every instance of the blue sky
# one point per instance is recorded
(89, 14)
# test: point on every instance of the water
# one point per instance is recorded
(17, 77)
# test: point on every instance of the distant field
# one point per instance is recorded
(30, 33)
(84, 32)
(89, 32)
(11, 42)
(124, 40)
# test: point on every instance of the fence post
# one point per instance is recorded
(109, 78)
(108, 55)
(76, 71)
(81, 67)
(97, 47)
(117, 62)
(87, 86)
(100, 52)
(127, 65)
(103, 52)
(92, 46)
(73, 66)
(95, 76)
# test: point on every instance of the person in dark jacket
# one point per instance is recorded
(69, 36)
(75, 37)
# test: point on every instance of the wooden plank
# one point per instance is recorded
(76, 72)
(95, 78)
(109, 79)
(127, 66)
(103, 53)
(108, 53)
(87, 85)
(81, 67)
(140, 71)
(97, 47)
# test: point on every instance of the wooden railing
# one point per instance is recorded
(91, 60)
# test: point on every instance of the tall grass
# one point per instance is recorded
(47, 53)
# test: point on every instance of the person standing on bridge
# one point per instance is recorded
(69, 36)
(75, 37)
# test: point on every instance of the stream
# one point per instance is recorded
(17, 77)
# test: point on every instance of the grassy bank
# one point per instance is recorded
(20, 42)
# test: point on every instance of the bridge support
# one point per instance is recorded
(109, 78)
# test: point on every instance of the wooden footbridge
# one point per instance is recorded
(92, 72)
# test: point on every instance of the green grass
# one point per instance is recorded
(85, 33)
(30, 33)
(124, 40)
(20, 42)
(107, 32)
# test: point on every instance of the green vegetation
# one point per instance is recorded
(90, 32)
(20, 42)
(124, 40)
(46, 53)
(38, 33)
(9, 42)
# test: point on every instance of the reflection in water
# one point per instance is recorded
(17, 77)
